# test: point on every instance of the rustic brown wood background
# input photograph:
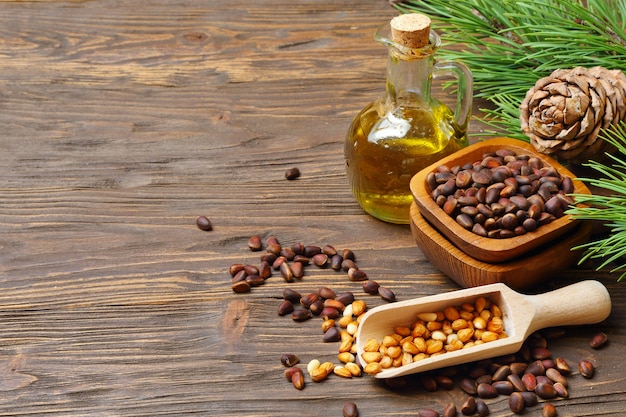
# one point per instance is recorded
(120, 122)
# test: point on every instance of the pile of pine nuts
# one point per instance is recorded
(502, 195)
(526, 377)
(435, 333)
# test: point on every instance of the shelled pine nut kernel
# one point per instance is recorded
(435, 333)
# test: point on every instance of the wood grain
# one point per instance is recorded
(124, 120)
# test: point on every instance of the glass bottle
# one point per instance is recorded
(406, 129)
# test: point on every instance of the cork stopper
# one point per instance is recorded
(411, 30)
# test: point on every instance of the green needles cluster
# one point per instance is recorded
(510, 44)
(609, 207)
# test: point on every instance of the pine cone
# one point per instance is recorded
(564, 112)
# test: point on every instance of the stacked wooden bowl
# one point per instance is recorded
(521, 262)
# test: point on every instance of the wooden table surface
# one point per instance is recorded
(121, 122)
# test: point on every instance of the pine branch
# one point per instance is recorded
(510, 44)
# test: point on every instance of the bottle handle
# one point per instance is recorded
(464, 96)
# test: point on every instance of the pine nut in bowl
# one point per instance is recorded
(497, 199)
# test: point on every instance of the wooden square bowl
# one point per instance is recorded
(487, 249)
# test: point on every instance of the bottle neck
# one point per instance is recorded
(408, 79)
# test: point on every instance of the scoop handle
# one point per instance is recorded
(586, 302)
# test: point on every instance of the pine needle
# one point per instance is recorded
(610, 208)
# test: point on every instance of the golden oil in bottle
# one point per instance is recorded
(405, 130)
(384, 153)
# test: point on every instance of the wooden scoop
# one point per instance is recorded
(586, 302)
